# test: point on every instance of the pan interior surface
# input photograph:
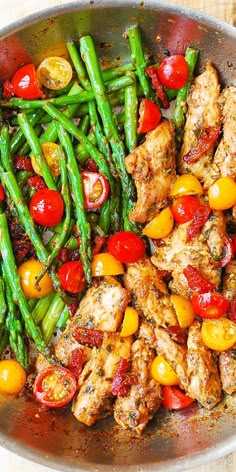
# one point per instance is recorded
(172, 441)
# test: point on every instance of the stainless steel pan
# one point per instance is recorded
(172, 442)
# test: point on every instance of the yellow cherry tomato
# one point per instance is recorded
(28, 272)
(130, 322)
(50, 153)
(219, 334)
(222, 194)
(186, 184)
(183, 309)
(161, 225)
(54, 73)
(105, 264)
(12, 377)
(162, 372)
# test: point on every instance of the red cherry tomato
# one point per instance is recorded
(174, 398)
(126, 247)
(55, 386)
(173, 72)
(24, 83)
(228, 252)
(184, 208)
(210, 305)
(47, 207)
(149, 116)
(72, 277)
(2, 193)
(96, 189)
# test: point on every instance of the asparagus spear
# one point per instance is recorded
(131, 112)
(51, 318)
(5, 149)
(138, 58)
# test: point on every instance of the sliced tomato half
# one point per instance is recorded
(55, 387)
(96, 189)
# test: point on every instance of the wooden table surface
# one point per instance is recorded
(10, 11)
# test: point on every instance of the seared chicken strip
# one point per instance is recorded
(149, 293)
(152, 165)
(204, 379)
(227, 359)
(95, 399)
(224, 162)
(135, 410)
(202, 251)
(203, 113)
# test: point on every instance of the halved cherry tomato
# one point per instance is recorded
(205, 143)
(228, 252)
(105, 264)
(96, 189)
(55, 386)
(28, 272)
(175, 399)
(149, 116)
(161, 225)
(50, 153)
(186, 184)
(183, 309)
(72, 276)
(219, 335)
(222, 194)
(12, 377)
(184, 208)
(54, 72)
(173, 72)
(2, 193)
(126, 247)
(162, 371)
(196, 282)
(210, 305)
(130, 322)
(47, 207)
(25, 84)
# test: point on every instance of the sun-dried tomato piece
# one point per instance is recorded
(177, 334)
(99, 242)
(23, 163)
(37, 182)
(200, 217)
(161, 94)
(196, 282)
(232, 310)
(88, 336)
(91, 165)
(75, 364)
(8, 90)
(206, 141)
(122, 379)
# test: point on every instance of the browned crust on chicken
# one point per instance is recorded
(229, 281)
(149, 293)
(94, 400)
(203, 252)
(152, 165)
(204, 379)
(227, 366)
(203, 112)
(224, 162)
(135, 410)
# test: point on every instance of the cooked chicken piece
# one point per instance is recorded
(149, 293)
(174, 354)
(103, 305)
(227, 365)
(176, 253)
(146, 332)
(152, 165)
(94, 400)
(227, 359)
(135, 410)
(203, 112)
(41, 363)
(229, 281)
(224, 162)
(205, 384)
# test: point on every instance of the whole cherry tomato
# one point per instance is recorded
(72, 277)
(126, 247)
(96, 189)
(28, 272)
(12, 377)
(149, 116)
(210, 305)
(55, 386)
(173, 72)
(175, 399)
(25, 83)
(184, 208)
(47, 207)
